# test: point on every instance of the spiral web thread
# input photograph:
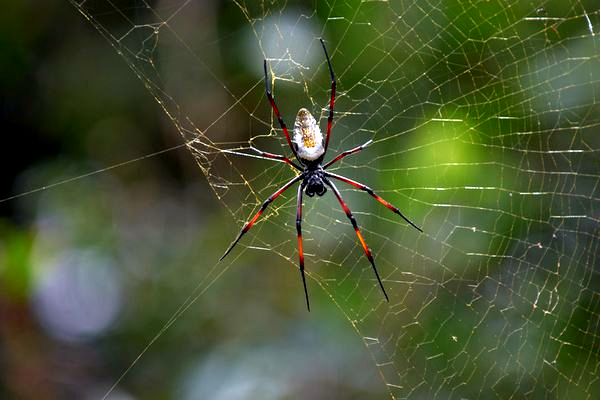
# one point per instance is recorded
(485, 121)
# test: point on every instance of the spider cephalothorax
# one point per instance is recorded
(309, 147)
(314, 182)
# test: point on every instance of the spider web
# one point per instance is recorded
(485, 122)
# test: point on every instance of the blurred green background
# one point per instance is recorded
(485, 121)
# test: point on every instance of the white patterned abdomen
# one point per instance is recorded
(307, 136)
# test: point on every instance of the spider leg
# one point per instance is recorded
(276, 110)
(252, 221)
(299, 235)
(346, 153)
(367, 189)
(277, 157)
(332, 95)
(350, 216)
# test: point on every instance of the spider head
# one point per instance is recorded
(315, 185)
(307, 136)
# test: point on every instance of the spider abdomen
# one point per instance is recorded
(307, 136)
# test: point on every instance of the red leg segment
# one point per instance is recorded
(350, 216)
(299, 236)
(276, 110)
(277, 157)
(346, 153)
(367, 189)
(332, 95)
(252, 221)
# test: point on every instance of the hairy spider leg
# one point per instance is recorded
(350, 216)
(277, 157)
(346, 153)
(332, 95)
(276, 110)
(367, 189)
(252, 221)
(299, 236)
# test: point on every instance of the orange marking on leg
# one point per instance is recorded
(301, 254)
(363, 243)
(385, 203)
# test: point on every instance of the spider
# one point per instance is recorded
(309, 148)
